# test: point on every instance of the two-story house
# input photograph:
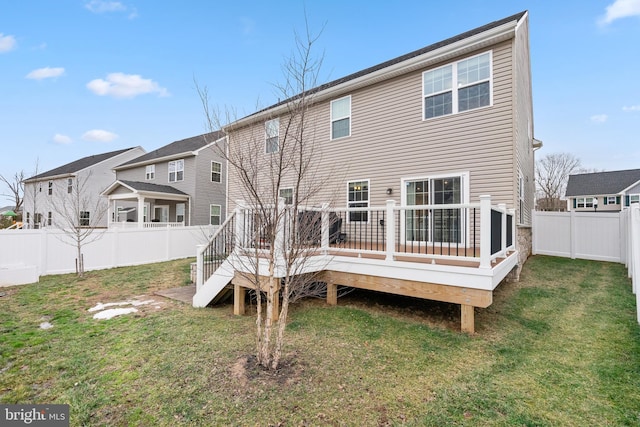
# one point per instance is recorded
(426, 159)
(182, 183)
(603, 191)
(48, 196)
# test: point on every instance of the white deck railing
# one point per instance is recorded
(146, 224)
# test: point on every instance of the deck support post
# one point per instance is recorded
(238, 300)
(467, 323)
(275, 306)
(332, 294)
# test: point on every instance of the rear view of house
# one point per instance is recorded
(423, 170)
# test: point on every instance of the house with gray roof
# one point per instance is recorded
(51, 197)
(181, 183)
(603, 191)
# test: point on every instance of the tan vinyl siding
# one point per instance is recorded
(390, 140)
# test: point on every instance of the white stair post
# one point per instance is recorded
(485, 231)
(390, 230)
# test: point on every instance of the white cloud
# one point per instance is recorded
(62, 139)
(45, 73)
(631, 108)
(99, 6)
(121, 85)
(99, 135)
(7, 43)
(599, 118)
(620, 9)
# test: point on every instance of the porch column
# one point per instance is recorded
(110, 211)
(141, 212)
(503, 225)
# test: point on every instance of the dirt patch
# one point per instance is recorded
(249, 376)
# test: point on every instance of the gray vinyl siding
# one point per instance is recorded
(634, 190)
(208, 192)
(390, 140)
(523, 122)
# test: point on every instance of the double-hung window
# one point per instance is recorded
(214, 214)
(150, 172)
(456, 87)
(69, 185)
(180, 212)
(358, 198)
(216, 171)
(272, 136)
(85, 218)
(584, 202)
(50, 188)
(341, 117)
(176, 170)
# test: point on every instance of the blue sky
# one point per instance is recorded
(82, 77)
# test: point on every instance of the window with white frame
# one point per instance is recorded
(272, 136)
(456, 87)
(611, 200)
(180, 207)
(176, 170)
(69, 185)
(150, 172)
(49, 218)
(584, 202)
(216, 171)
(438, 225)
(341, 117)
(634, 198)
(214, 214)
(358, 197)
(50, 188)
(287, 195)
(85, 218)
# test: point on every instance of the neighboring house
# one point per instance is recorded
(46, 194)
(443, 125)
(182, 183)
(603, 191)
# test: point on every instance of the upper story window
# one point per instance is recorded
(150, 172)
(358, 198)
(69, 185)
(460, 86)
(176, 170)
(50, 188)
(272, 135)
(216, 172)
(341, 117)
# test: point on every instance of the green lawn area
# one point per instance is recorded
(559, 348)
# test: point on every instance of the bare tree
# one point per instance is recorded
(15, 187)
(272, 163)
(31, 191)
(78, 212)
(552, 174)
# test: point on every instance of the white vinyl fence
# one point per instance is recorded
(600, 236)
(51, 251)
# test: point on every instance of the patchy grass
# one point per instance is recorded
(561, 347)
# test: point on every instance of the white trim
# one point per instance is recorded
(267, 136)
(211, 172)
(176, 170)
(220, 213)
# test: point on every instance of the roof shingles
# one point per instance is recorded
(601, 183)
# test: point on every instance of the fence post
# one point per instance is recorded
(572, 234)
(390, 230)
(485, 231)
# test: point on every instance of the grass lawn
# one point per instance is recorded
(561, 347)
